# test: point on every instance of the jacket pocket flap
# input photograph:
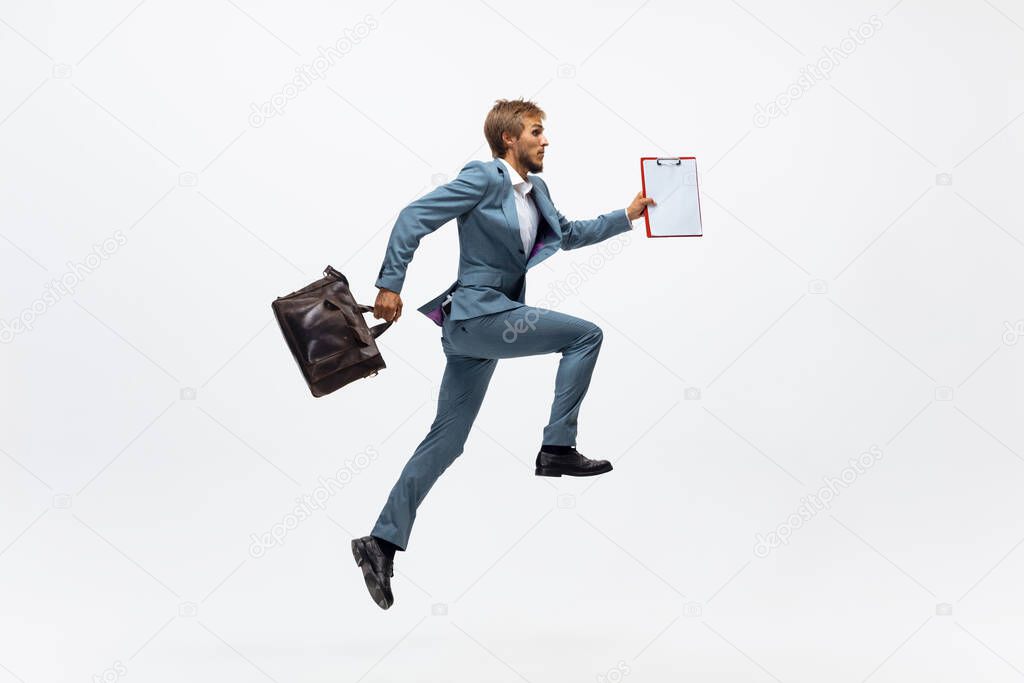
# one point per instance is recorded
(481, 278)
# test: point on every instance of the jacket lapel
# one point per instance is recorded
(549, 231)
(508, 202)
(546, 209)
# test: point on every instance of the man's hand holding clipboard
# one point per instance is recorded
(639, 206)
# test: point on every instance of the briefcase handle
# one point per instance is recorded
(375, 331)
(378, 329)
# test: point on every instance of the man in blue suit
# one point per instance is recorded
(507, 224)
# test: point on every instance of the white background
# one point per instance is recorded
(845, 295)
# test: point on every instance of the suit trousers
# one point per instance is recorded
(472, 348)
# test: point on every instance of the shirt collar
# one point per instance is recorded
(522, 186)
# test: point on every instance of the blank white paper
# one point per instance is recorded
(672, 183)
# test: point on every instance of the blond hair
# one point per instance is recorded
(507, 116)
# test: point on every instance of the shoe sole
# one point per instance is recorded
(558, 472)
(371, 584)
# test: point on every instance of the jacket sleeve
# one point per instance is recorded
(427, 214)
(583, 233)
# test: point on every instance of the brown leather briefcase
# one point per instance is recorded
(327, 334)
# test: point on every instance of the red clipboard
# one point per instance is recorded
(643, 184)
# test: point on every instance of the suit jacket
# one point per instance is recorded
(492, 261)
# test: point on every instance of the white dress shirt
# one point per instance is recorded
(527, 210)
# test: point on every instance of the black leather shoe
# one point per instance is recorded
(572, 464)
(377, 568)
